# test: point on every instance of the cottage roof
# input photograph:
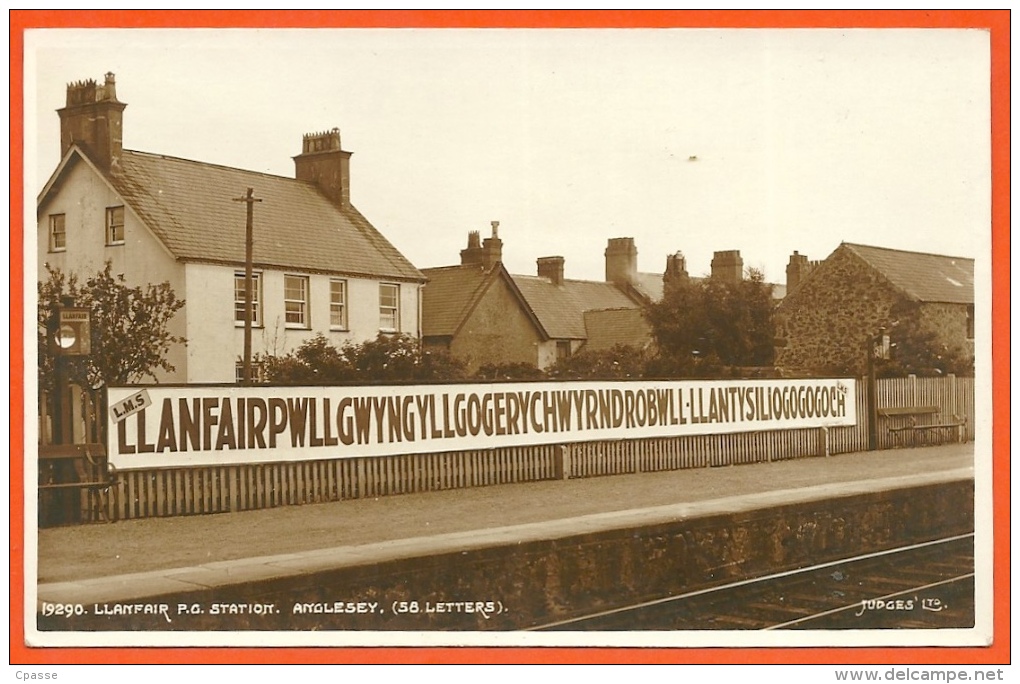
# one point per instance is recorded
(923, 277)
(189, 206)
(560, 308)
(649, 285)
(610, 327)
(556, 310)
(448, 296)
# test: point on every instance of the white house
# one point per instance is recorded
(319, 265)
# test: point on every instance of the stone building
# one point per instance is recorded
(319, 265)
(833, 307)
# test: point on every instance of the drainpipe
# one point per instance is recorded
(421, 342)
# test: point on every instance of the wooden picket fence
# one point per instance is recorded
(188, 491)
(200, 490)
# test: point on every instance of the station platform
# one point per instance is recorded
(129, 560)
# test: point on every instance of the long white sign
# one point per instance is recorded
(196, 425)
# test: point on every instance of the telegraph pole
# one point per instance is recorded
(250, 200)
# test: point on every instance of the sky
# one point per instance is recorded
(764, 141)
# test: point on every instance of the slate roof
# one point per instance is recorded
(560, 308)
(610, 327)
(923, 277)
(448, 295)
(189, 206)
(649, 285)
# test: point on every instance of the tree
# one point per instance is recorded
(701, 326)
(130, 327)
(917, 349)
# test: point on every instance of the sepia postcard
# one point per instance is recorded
(517, 330)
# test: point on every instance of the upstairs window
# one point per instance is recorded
(115, 225)
(295, 301)
(970, 321)
(389, 307)
(338, 304)
(256, 299)
(58, 233)
(562, 349)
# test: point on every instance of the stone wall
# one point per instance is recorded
(826, 320)
(520, 584)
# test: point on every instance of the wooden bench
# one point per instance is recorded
(85, 463)
(913, 434)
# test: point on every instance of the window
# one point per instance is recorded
(338, 304)
(256, 299)
(970, 321)
(115, 225)
(295, 301)
(58, 233)
(389, 306)
(562, 349)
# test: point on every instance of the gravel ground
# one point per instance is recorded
(130, 546)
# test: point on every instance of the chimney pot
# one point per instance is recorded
(728, 266)
(325, 164)
(551, 268)
(93, 119)
(486, 253)
(796, 270)
(676, 269)
(621, 261)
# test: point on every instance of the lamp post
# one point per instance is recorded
(876, 346)
(69, 334)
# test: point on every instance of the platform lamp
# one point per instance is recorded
(69, 334)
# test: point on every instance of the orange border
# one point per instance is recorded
(997, 22)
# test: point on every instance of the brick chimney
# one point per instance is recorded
(676, 269)
(551, 268)
(485, 253)
(324, 164)
(493, 246)
(621, 261)
(93, 119)
(796, 270)
(727, 266)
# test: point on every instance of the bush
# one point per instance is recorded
(509, 371)
(387, 358)
(618, 363)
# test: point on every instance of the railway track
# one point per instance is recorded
(922, 586)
